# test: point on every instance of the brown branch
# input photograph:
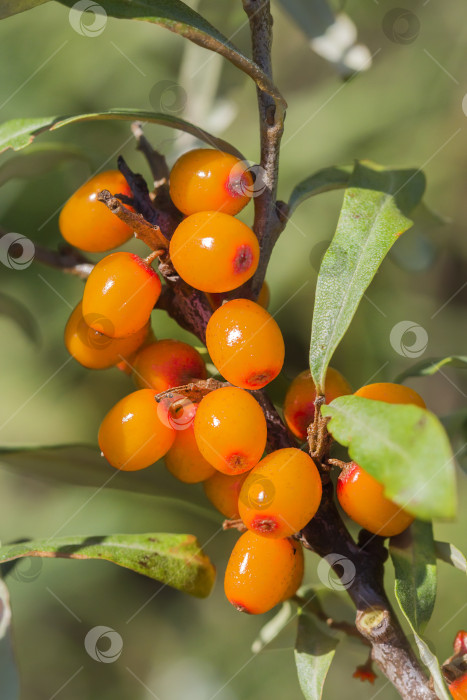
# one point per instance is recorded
(145, 231)
(156, 161)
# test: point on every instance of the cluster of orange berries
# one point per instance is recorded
(220, 441)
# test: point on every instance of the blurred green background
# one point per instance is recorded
(406, 111)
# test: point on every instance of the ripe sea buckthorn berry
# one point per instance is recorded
(363, 499)
(231, 430)
(95, 350)
(245, 344)
(120, 294)
(205, 179)
(264, 296)
(214, 252)
(223, 491)
(299, 403)
(167, 363)
(132, 436)
(297, 574)
(126, 365)
(458, 688)
(391, 393)
(259, 572)
(184, 460)
(281, 494)
(87, 223)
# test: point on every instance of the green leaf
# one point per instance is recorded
(449, 553)
(455, 425)
(431, 366)
(333, 178)
(314, 652)
(404, 447)
(175, 560)
(373, 215)
(177, 17)
(20, 314)
(39, 160)
(82, 465)
(19, 133)
(274, 627)
(414, 559)
(9, 678)
(13, 7)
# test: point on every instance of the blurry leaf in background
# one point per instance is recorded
(414, 559)
(272, 628)
(449, 553)
(431, 366)
(456, 427)
(13, 7)
(21, 316)
(325, 180)
(314, 652)
(333, 37)
(175, 560)
(375, 212)
(40, 159)
(19, 133)
(9, 679)
(405, 448)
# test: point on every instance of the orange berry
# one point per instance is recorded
(184, 460)
(120, 294)
(87, 223)
(132, 435)
(245, 344)
(281, 494)
(391, 393)
(95, 350)
(363, 499)
(205, 179)
(231, 430)
(167, 363)
(214, 252)
(259, 572)
(299, 403)
(126, 365)
(297, 574)
(216, 299)
(458, 688)
(223, 491)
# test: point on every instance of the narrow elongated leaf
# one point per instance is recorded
(414, 558)
(181, 19)
(374, 213)
(176, 560)
(274, 627)
(455, 425)
(431, 366)
(20, 315)
(9, 679)
(325, 180)
(314, 652)
(19, 133)
(404, 447)
(82, 465)
(13, 7)
(451, 555)
(39, 160)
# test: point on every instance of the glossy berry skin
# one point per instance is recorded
(126, 365)
(95, 350)
(214, 252)
(167, 363)
(263, 299)
(223, 491)
(281, 494)
(120, 294)
(299, 403)
(297, 574)
(245, 344)
(458, 688)
(132, 435)
(391, 393)
(231, 430)
(87, 223)
(259, 572)
(205, 179)
(362, 498)
(184, 460)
